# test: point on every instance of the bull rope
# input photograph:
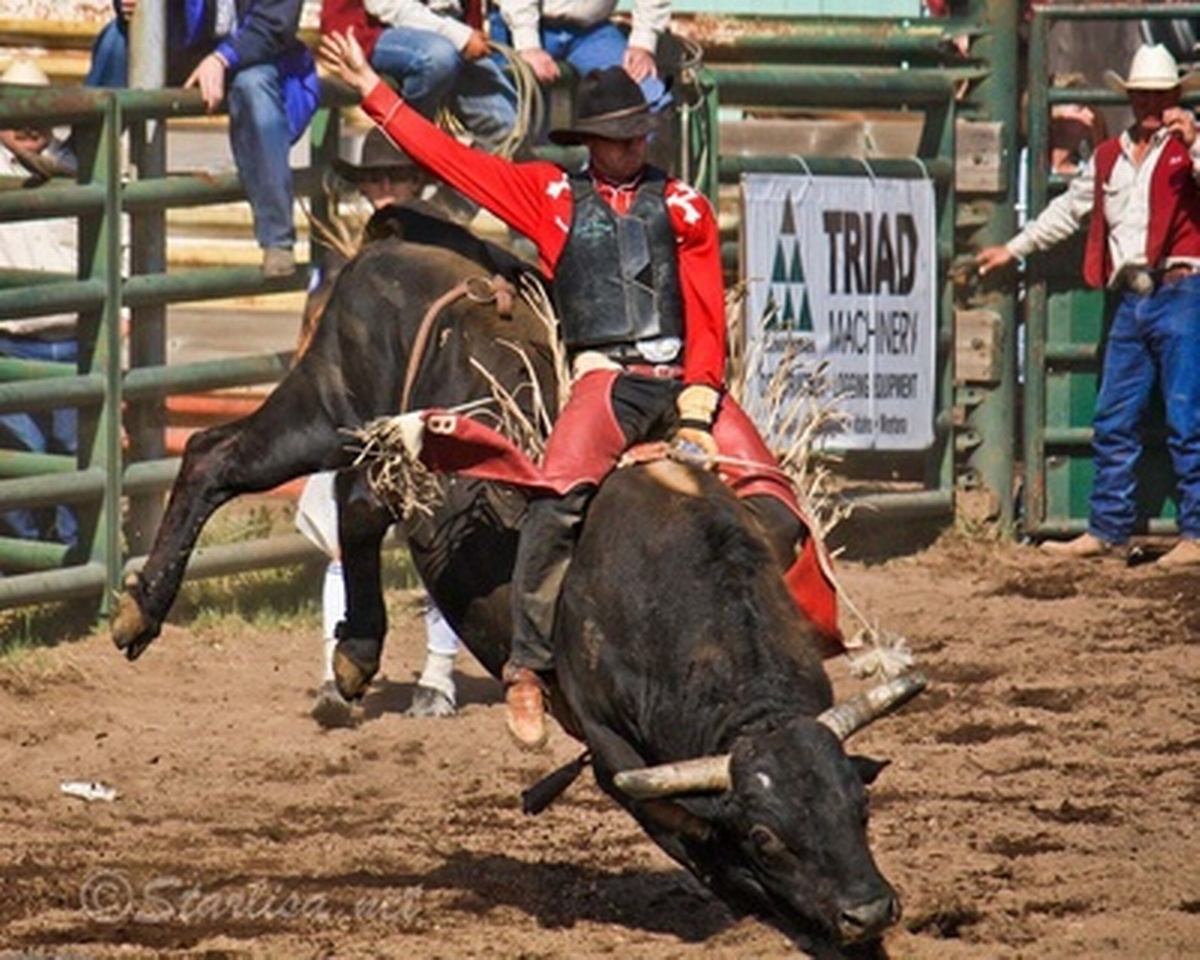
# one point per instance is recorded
(479, 289)
(400, 479)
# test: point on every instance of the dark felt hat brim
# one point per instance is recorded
(625, 127)
(348, 171)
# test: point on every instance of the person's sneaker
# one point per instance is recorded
(278, 262)
(428, 702)
(526, 704)
(1186, 553)
(1084, 545)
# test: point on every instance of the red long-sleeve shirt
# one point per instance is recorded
(342, 16)
(535, 198)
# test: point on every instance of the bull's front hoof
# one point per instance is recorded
(355, 663)
(330, 709)
(132, 630)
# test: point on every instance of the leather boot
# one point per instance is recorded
(1186, 553)
(1084, 545)
(525, 699)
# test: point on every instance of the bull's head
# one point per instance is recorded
(787, 828)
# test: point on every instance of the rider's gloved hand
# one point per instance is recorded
(697, 405)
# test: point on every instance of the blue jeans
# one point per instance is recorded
(1152, 339)
(110, 57)
(258, 135)
(42, 431)
(258, 132)
(431, 72)
(585, 49)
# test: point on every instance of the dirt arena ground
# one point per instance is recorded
(1041, 800)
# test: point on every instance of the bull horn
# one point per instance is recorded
(702, 775)
(847, 718)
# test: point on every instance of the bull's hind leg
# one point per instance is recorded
(275, 444)
(362, 524)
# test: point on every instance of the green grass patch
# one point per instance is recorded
(273, 598)
(285, 597)
(44, 625)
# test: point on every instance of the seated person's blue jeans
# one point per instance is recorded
(259, 137)
(258, 131)
(432, 73)
(585, 49)
(110, 57)
(41, 431)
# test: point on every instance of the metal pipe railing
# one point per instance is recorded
(846, 40)
(778, 85)
(1041, 353)
(871, 65)
(924, 75)
(97, 481)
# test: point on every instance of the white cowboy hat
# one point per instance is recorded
(1152, 68)
(26, 73)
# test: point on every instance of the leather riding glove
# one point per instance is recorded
(697, 405)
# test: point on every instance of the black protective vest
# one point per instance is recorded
(617, 280)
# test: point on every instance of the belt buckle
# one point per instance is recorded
(1140, 281)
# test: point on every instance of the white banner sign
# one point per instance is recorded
(842, 270)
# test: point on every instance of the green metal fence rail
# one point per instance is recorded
(899, 65)
(117, 479)
(118, 487)
(103, 479)
(1065, 321)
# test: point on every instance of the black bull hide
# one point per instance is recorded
(677, 637)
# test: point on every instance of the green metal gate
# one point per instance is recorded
(1066, 323)
(966, 95)
(106, 483)
(959, 75)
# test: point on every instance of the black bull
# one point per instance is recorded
(677, 637)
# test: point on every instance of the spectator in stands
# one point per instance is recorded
(547, 32)
(436, 59)
(30, 155)
(1140, 198)
(248, 50)
(386, 178)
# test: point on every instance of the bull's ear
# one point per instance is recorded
(868, 768)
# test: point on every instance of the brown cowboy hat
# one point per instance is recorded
(609, 104)
(379, 156)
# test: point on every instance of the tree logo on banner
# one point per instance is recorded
(787, 299)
